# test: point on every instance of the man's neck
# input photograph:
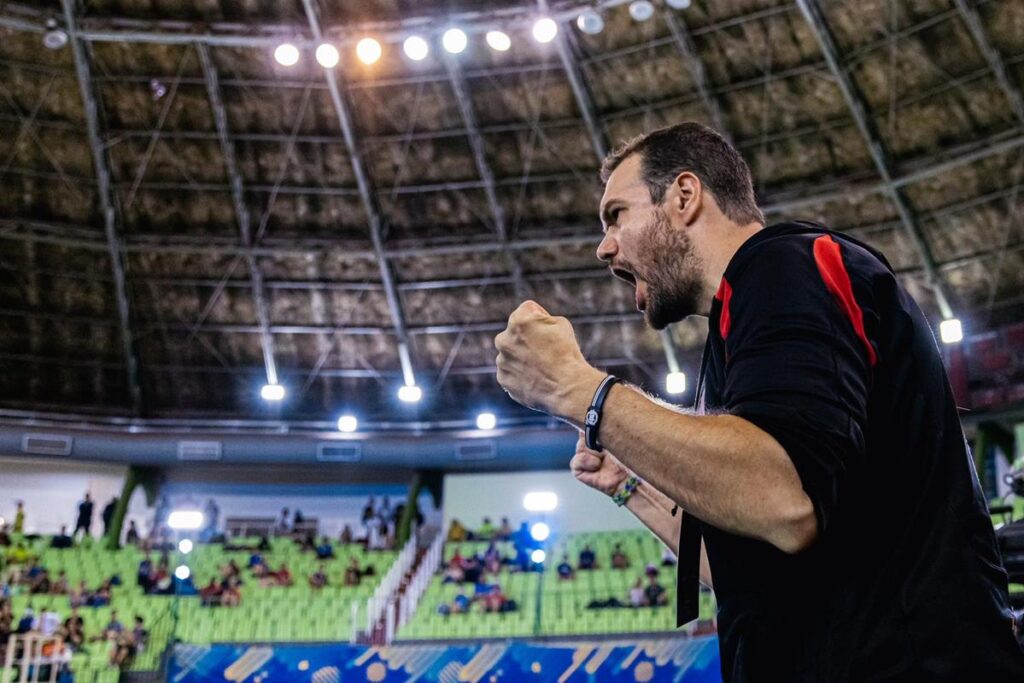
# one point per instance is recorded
(722, 250)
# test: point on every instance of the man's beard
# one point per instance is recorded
(672, 270)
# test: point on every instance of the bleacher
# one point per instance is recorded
(562, 604)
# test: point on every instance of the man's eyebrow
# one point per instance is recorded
(606, 212)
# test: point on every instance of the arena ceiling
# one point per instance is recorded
(181, 216)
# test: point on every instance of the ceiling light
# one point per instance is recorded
(545, 30)
(185, 546)
(641, 10)
(286, 54)
(675, 382)
(410, 393)
(368, 50)
(678, 4)
(951, 331)
(415, 48)
(185, 520)
(327, 55)
(590, 22)
(348, 423)
(538, 556)
(55, 37)
(540, 531)
(182, 572)
(454, 40)
(272, 392)
(498, 40)
(540, 501)
(486, 421)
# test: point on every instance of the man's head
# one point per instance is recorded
(675, 201)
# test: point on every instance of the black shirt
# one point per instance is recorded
(813, 340)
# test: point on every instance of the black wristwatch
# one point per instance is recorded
(592, 421)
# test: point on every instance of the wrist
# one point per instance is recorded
(578, 394)
(625, 490)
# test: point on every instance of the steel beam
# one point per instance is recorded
(108, 203)
(858, 109)
(683, 40)
(368, 199)
(220, 119)
(969, 13)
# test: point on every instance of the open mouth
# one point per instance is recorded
(639, 286)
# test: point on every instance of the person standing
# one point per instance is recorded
(108, 514)
(84, 522)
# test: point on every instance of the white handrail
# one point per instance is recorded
(391, 582)
(419, 582)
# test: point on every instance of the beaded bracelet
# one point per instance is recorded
(620, 497)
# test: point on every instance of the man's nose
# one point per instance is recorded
(607, 249)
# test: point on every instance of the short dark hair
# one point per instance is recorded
(691, 146)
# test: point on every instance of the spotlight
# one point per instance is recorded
(157, 88)
(272, 392)
(55, 38)
(951, 331)
(641, 10)
(327, 55)
(486, 421)
(498, 40)
(545, 30)
(590, 22)
(185, 520)
(416, 48)
(540, 501)
(182, 572)
(185, 546)
(538, 556)
(286, 54)
(678, 4)
(454, 40)
(347, 423)
(675, 382)
(368, 50)
(540, 531)
(410, 393)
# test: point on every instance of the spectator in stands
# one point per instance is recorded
(209, 595)
(636, 594)
(494, 600)
(101, 596)
(619, 558)
(565, 570)
(457, 533)
(25, 623)
(6, 624)
(325, 551)
(211, 518)
(260, 569)
(473, 569)
(256, 558)
(19, 518)
(79, 596)
(654, 593)
(668, 558)
(284, 525)
(19, 554)
(353, 573)
(5, 537)
(84, 523)
(73, 629)
(128, 643)
(486, 530)
(384, 512)
(144, 574)
(60, 584)
(62, 541)
(233, 570)
(319, 578)
(651, 570)
(492, 558)
(108, 514)
(588, 560)
(230, 595)
(461, 603)
(282, 577)
(505, 530)
(368, 512)
(346, 535)
(41, 584)
(298, 519)
(113, 628)
(132, 537)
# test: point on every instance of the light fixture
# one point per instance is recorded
(286, 54)
(416, 48)
(675, 382)
(272, 392)
(55, 37)
(185, 546)
(410, 393)
(641, 10)
(540, 501)
(540, 531)
(951, 331)
(182, 572)
(498, 40)
(590, 22)
(486, 421)
(454, 40)
(545, 30)
(348, 423)
(327, 55)
(368, 50)
(678, 4)
(185, 520)
(538, 556)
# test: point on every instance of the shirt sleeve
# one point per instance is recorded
(799, 361)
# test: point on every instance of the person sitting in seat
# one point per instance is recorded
(636, 594)
(619, 558)
(654, 593)
(461, 603)
(565, 570)
(79, 596)
(62, 541)
(492, 558)
(60, 584)
(353, 573)
(209, 595)
(346, 536)
(282, 577)
(588, 560)
(231, 595)
(325, 551)
(457, 533)
(505, 531)
(318, 579)
(73, 630)
(128, 643)
(486, 530)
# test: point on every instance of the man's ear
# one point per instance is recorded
(686, 197)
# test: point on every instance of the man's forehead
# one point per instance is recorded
(624, 180)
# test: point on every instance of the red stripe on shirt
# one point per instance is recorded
(837, 280)
(724, 294)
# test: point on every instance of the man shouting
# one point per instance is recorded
(822, 483)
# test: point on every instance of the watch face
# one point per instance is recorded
(591, 417)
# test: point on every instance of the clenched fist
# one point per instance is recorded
(541, 366)
(598, 470)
